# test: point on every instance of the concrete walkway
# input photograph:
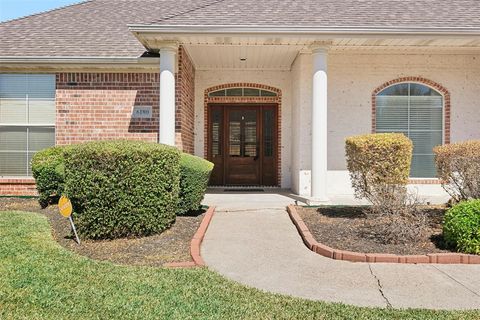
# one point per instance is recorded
(261, 248)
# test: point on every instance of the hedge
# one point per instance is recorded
(458, 167)
(122, 188)
(49, 171)
(378, 160)
(461, 228)
(194, 176)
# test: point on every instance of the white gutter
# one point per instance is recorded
(78, 60)
(297, 30)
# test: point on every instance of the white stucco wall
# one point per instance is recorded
(352, 78)
(277, 79)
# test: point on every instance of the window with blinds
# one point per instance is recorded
(27, 120)
(417, 111)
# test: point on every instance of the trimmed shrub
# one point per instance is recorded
(49, 172)
(379, 166)
(194, 176)
(122, 188)
(461, 228)
(458, 167)
(377, 163)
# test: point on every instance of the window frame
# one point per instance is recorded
(213, 94)
(438, 89)
(26, 125)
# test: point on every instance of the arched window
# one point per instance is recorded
(417, 111)
(242, 92)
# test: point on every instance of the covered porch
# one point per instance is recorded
(273, 108)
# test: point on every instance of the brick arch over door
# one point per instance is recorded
(233, 99)
(434, 85)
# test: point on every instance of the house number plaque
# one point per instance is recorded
(142, 112)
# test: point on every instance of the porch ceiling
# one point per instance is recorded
(278, 51)
(267, 57)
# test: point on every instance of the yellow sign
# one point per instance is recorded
(65, 206)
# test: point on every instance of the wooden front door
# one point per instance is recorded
(243, 144)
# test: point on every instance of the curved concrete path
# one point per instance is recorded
(261, 248)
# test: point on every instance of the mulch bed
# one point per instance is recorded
(344, 228)
(173, 245)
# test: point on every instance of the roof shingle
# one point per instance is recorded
(98, 28)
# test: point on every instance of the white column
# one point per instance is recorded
(167, 96)
(319, 126)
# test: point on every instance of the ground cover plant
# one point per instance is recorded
(379, 166)
(458, 167)
(461, 228)
(41, 280)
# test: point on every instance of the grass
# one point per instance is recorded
(41, 280)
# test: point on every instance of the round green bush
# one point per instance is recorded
(194, 175)
(461, 228)
(49, 171)
(122, 188)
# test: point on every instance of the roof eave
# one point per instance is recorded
(77, 60)
(302, 30)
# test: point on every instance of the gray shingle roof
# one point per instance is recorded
(99, 27)
(335, 13)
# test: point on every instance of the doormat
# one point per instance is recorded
(243, 190)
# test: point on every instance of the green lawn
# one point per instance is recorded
(41, 280)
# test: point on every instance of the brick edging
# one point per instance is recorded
(195, 244)
(326, 251)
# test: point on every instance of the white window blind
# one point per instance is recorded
(27, 120)
(417, 111)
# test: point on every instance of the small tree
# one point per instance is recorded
(458, 167)
(379, 166)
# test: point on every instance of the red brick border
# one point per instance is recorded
(195, 244)
(446, 106)
(326, 251)
(273, 100)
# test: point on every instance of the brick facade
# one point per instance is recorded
(98, 106)
(185, 103)
(18, 187)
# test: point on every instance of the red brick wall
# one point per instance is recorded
(185, 102)
(98, 106)
(18, 187)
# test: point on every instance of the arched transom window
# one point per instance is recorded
(242, 92)
(417, 111)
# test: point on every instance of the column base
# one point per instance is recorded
(317, 201)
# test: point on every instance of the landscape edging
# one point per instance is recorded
(195, 244)
(326, 251)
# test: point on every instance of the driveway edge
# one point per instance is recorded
(336, 254)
